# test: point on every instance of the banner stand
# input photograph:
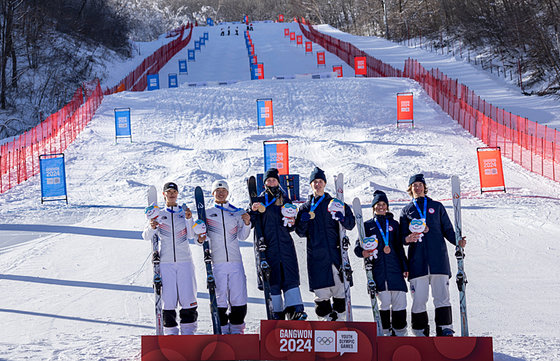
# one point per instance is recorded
(405, 108)
(53, 178)
(123, 128)
(490, 169)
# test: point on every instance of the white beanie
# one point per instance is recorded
(220, 183)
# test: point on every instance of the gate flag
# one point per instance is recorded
(338, 70)
(264, 113)
(122, 124)
(190, 54)
(172, 80)
(405, 108)
(308, 47)
(321, 58)
(490, 169)
(183, 66)
(276, 156)
(153, 81)
(53, 177)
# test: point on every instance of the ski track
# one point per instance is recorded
(72, 291)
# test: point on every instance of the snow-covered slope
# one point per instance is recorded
(76, 280)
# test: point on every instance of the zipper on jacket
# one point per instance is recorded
(173, 235)
(225, 237)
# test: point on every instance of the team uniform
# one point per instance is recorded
(388, 269)
(323, 255)
(177, 269)
(225, 228)
(429, 264)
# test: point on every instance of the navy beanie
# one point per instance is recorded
(317, 173)
(416, 178)
(379, 196)
(272, 173)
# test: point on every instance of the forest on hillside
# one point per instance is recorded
(49, 48)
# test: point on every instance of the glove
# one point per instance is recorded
(339, 216)
(305, 217)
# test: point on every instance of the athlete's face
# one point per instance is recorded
(418, 189)
(318, 186)
(171, 197)
(380, 208)
(271, 182)
(220, 195)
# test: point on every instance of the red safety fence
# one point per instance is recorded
(136, 79)
(534, 146)
(19, 158)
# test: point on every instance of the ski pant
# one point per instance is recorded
(289, 287)
(178, 282)
(419, 288)
(323, 296)
(231, 284)
(392, 310)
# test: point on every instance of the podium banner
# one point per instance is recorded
(153, 81)
(360, 67)
(490, 169)
(317, 340)
(264, 113)
(276, 156)
(53, 177)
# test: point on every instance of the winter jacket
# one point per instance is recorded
(387, 268)
(280, 251)
(323, 241)
(225, 228)
(174, 232)
(430, 255)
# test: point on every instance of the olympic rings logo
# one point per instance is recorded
(324, 340)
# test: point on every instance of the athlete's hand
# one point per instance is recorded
(246, 218)
(153, 223)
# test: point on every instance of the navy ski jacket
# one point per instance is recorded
(430, 255)
(387, 268)
(280, 252)
(323, 241)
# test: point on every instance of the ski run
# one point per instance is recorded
(76, 280)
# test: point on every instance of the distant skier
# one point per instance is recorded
(389, 265)
(222, 32)
(236, 31)
(226, 226)
(228, 31)
(174, 227)
(324, 260)
(424, 224)
(280, 252)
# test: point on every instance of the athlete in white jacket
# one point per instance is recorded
(226, 226)
(174, 227)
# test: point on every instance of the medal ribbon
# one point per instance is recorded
(231, 209)
(422, 215)
(315, 205)
(384, 235)
(267, 202)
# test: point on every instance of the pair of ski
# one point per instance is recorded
(210, 280)
(461, 277)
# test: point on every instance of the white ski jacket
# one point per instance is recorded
(174, 232)
(225, 228)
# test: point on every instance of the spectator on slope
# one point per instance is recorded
(226, 226)
(324, 260)
(174, 227)
(389, 265)
(424, 224)
(280, 250)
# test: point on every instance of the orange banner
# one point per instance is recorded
(490, 169)
(360, 67)
(405, 107)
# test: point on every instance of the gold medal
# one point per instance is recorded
(387, 249)
(261, 208)
(311, 215)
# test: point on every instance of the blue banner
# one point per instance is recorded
(209, 22)
(202, 41)
(183, 66)
(53, 176)
(197, 45)
(205, 35)
(173, 82)
(190, 53)
(122, 123)
(153, 81)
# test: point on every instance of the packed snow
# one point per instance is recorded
(76, 279)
